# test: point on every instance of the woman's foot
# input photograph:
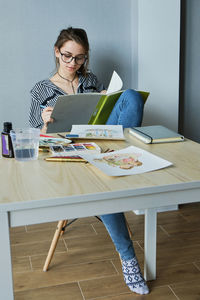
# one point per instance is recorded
(133, 276)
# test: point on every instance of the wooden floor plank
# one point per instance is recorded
(86, 265)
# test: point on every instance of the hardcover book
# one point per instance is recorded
(106, 104)
(88, 108)
(155, 134)
(77, 109)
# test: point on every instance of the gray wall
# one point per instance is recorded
(158, 60)
(190, 68)
(29, 28)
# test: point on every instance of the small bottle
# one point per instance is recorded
(7, 148)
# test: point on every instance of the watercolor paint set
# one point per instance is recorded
(75, 149)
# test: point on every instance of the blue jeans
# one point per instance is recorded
(128, 111)
(117, 229)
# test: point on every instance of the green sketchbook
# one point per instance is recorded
(105, 106)
(155, 134)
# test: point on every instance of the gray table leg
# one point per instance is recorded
(6, 281)
(150, 244)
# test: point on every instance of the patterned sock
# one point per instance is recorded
(133, 276)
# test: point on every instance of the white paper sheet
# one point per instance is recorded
(108, 132)
(128, 161)
(115, 83)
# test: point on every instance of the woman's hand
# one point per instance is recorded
(46, 117)
(103, 92)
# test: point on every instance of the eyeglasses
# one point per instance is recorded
(79, 59)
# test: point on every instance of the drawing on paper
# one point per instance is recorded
(121, 160)
(128, 161)
(96, 133)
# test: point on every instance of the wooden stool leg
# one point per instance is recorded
(53, 245)
(63, 229)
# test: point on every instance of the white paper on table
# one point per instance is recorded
(115, 83)
(115, 163)
(111, 132)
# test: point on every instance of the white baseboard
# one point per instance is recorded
(160, 209)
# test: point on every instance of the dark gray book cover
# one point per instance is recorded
(72, 110)
(155, 134)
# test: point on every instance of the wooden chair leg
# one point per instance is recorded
(58, 233)
(63, 228)
(53, 244)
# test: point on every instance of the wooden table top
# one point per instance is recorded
(36, 180)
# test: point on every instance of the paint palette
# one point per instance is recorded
(46, 142)
(75, 149)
